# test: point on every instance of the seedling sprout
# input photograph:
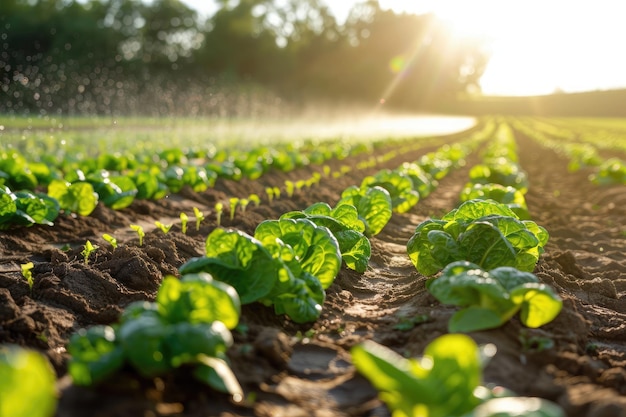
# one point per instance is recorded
(112, 241)
(199, 217)
(219, 209)
(233, 205)
(28, 274)
(164, 227)
(183, 222)
(89, 248)
(140, 232)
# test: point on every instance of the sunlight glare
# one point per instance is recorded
(539, 47)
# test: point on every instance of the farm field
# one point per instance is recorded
(285, 368)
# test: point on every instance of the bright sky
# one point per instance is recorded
(538, 46)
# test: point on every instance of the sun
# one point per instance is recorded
(538, 47)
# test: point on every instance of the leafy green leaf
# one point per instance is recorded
(95, 355)
(216, 373)
(241, 261)
(353, 245)
(441, 384)
(143, 341)
(489, 299)
(399, 186)
(186, 341)
(538, 303)
(302, 300)
(198, 298)
(315, 247)
(421, 249)
(78, 197)
(28, 383)
(373, 204)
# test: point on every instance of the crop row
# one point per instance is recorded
(582, 151)
(484, 255)
(604, 134)
(35, 186)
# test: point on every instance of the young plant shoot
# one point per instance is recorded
(111, 240)
(199, 217)
(219, 209)
(27, 273)
(184, 219)
(233, 201)
(140, 233)
(255, 199)
(165, 228)
(88, 250)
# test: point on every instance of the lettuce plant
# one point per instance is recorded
(422, 181)
(315, 247)
(188, 324)
(346, 226)
(500, 171)
(398, 184)
(78, 197)
(219, 209)
(233, 201)
(490, 298)
(24, 208)
(508, 195)
(270, 194)
(255, 199)
(484, 232)
(117, 192)
(165, 228)
(610, 172)
(271, 272)
(374, 206)
(442, 383)
(445, 382)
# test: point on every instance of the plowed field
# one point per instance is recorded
(305, 370)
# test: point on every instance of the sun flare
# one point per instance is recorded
(539, 47)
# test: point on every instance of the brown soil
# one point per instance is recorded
(305, 370)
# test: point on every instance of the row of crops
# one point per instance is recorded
(583, 146)
(39, 182)
(479, 257)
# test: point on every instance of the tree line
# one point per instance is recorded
(157, 58)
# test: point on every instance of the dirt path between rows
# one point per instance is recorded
(305, 370)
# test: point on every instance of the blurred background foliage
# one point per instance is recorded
(251, 57)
